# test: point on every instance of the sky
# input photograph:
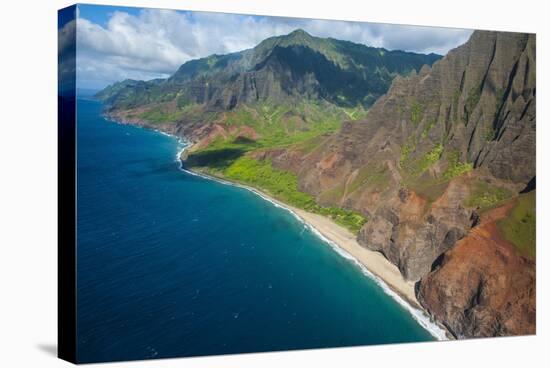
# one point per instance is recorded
(116, 43)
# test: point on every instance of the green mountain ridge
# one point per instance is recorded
(281, 68)
(429, 160)
(443, 166)
(288, 90)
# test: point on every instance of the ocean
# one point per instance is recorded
(170, 264)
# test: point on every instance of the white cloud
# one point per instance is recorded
(156, 42)
(66, 52)
(66, 37)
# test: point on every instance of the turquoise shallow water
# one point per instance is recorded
(170, 264)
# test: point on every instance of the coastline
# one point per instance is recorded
(372, 264)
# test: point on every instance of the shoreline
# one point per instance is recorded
(372, 264)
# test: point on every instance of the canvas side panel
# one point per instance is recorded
(66, 163)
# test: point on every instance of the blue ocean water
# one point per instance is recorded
(170, 264)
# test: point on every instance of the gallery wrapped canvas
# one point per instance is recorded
(236, 183)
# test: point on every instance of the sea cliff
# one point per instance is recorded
(436, 159)
(434, 172)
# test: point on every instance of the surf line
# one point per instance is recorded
(420, 316)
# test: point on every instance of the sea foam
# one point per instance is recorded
(420, 316)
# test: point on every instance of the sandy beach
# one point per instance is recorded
(341, 237)
(373, 261)
(385, 273)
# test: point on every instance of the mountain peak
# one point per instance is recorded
(345, 74)
(299, 32)
(298, 36)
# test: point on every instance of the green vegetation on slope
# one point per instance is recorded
(456, 167)
(471, 102)
(427, 187)
(429, 125)
(301, 125)
(413, 168)
(310, 144)
(279, 124)
(162, 113)
(485, 196)
(406, 150)
(374, 176)
(158, 115)
(519, 227)
(280, 184)
(283, 186)
(427, 160)
(331, 81)
(417, 112)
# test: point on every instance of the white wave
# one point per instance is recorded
(419, 315)
(181, 141)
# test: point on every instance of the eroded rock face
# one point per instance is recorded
(478, 102)
(412, 234)
(474, 107)
(411, 165)
(482, 286)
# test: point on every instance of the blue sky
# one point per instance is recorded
(116, 43)
(100, 14)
